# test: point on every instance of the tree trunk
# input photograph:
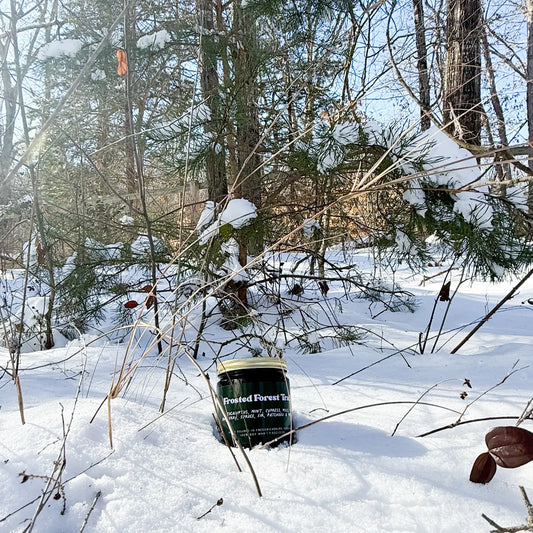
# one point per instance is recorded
(462, 84)
(217, 185)
(232, 167)
(503, 170)
(7, 128)
(249, 182)
(529, 94)
(422, 65)
(132, 185)
(247, 119)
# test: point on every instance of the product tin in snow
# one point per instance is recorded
(256, 396)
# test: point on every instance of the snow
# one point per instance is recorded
(445, 165)
(310, 226)
(64, 47)
(30, 251)
(206, 216)
(405, 246)
(209, 232)
(231, 266)
(454, 167)
(141, 246)
(98, 75)
(126, 220)
(239, 213)
(346, 473)
(470, 206)
(111, 252)
(194, 118)
(331, 157)
(69, 266)
(154, 40)
(416, 197)
(346, 133)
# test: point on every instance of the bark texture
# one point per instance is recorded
(422, 65)
(529, 94)
(247, 116)
(217, 184)
(462, 86)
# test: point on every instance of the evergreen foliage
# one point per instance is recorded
(286, 121)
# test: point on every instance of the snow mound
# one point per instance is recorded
(155, 40)
(55, 49)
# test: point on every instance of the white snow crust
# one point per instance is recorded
(347, 473)
(64, 47)
(155, 40)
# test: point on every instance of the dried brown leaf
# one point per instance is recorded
(146, 288)
(510, 446)
(483, 469)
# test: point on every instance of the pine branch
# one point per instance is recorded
(66, 97)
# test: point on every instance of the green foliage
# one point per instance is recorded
(82, 295)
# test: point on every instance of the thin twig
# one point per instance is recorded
(220, 501)
(346, 411)
(4, 518)
(371, 365)
(486, 318)
(54, 483)
(528, 526)
(493, 523)
(526, 413)
(417, 403)
(528, 505)
(91, 509)
(513, 370)
(463, 422)
(66, 97)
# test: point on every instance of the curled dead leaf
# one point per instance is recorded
(510, 446)
(131, 304)
(484, 469)
(146, 288)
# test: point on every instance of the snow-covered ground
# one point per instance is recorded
(348, 473)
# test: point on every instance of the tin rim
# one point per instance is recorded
(252, 363)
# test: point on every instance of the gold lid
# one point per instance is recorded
(252, 363)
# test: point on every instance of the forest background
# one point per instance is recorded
(119, 121)
(193, 181)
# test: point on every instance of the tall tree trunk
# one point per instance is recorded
(462, 85)
(247, 118)
(503, 170)
(41, 224)
(249, 177)
(422, 65)
(7, 128)
(529, 94)
(217, 185)
(132, 183)
(232, 168)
